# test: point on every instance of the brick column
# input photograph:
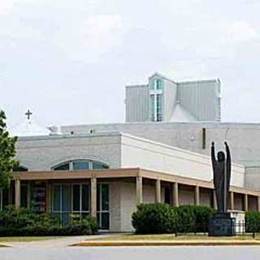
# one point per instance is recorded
(232, 201)
(175, 194)
(93, 197)
(17, 194)
(158, 191)
(197, 196)
(139, 190)
(245, 202)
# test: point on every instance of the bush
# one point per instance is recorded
(252, 219)
(193, 218)
(23, 222)
(154, 219)
(162, 218)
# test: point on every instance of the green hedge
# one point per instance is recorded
(23, 222)
(193, 218)
(154, 218)
(162, 218)
(252, 220)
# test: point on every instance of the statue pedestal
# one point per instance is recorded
(221, 224)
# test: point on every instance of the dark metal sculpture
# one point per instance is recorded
(222, 174)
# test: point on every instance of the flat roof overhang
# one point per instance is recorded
(122, 173)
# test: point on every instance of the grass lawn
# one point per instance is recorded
(25, 239)
(168, 237)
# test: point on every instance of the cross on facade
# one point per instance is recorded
(28, 114)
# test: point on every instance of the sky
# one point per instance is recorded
(69, 61)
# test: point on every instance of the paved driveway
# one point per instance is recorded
(58, 251)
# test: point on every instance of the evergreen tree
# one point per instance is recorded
(7, 153)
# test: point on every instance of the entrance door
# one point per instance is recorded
(103, 216)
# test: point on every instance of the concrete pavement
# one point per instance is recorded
(113, 253)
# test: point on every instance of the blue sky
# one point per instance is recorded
(68, 61)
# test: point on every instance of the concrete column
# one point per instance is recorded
(158, 191)
(245, 202)
(17, 194)
(215, 206)
(49, 198)
(29, 195)
(258, 203)
(232, 201)
(93, 197)
(197, 196)
(175, 194)
(139, 190)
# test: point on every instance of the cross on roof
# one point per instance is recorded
(28, 114)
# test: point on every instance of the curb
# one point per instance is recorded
(165, 243)
(4, 245)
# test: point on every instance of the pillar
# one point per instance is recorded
(139, 190)
(17, 194)
(258, 203)
(232, 201)
(245, 202)
(29, 195)
(49, 196)
(175, 193)
(215, 206)
(197, 196)
(93, 197)
(158, 191)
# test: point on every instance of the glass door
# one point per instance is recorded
(103, 216)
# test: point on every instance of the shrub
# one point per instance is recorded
(162, 218)
(26, 223)
(252, 219)
(193, 218)
(154, 219)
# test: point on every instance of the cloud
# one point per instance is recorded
(94, 37)
(6, 6)
(241, 31)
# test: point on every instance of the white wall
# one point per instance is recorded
(243, 138)
(42, 153)
(149, 155)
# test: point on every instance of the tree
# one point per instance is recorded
(7, 153)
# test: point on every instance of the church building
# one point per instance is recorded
(161, 154)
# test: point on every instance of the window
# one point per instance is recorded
(61, 205)
(158, 84)
(103, 216)
(80, 165)
(70, 198)
(159, 108)
(156, 103)
(62, 167)
(99, 165)
(81, 198)
(24, 195)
